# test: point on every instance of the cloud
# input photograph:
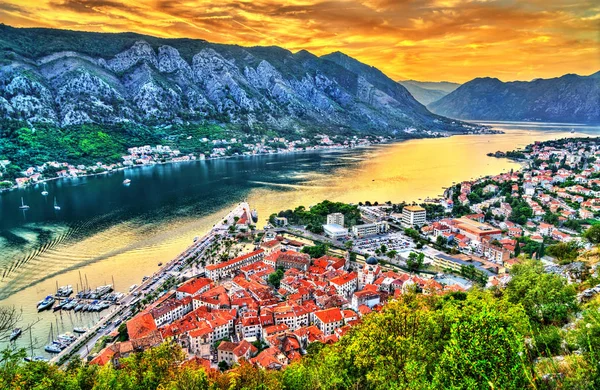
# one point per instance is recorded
(12, 8)
(86, 6)
(422, 39)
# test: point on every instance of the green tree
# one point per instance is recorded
(486, 349)
(123, 335)
(316, 251)
(415, 261)
(275, 278)
(223, 366)
(547, 298)
(593, 234)
(441, 240)
(564, 252)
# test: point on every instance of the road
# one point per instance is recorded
(122, 309)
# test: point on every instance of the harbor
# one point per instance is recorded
(123, 307)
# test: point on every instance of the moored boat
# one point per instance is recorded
(52, 348)
(71, 305)
(15, 334)
(64, 291)
(47, 303)
(100, 291)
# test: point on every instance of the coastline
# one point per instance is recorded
(487, 131)
(137, 166)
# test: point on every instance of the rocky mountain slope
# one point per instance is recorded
(426, 92)
(570, 98)
(69, 78)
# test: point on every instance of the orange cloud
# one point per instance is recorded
(454, 40)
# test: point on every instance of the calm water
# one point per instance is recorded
(107, 231)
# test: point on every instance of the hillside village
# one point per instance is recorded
(266, 306)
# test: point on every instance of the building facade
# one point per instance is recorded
(335, 218)
(370, 229)
(414, 216)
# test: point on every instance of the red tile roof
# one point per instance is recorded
(270, 244)
(194, 285)
(140, 326)
(233, 261)
(344, 278)
(329, 316)
(105, 356)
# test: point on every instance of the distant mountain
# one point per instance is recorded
(427, 92)
(68, 77)
(570, 98)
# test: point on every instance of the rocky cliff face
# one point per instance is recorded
(570, 98)
(109, 78)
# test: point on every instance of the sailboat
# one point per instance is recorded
(56, 206)
(52, 347)
(30, 358)
(23, 206)
(45, 192)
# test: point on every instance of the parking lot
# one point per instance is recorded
(393, 241)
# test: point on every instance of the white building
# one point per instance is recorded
(335, 218)
(368, 298)
(329, 320)
(345, 284)
(370, 229)
(413, 216)
(335, 231)
(171, 310)
(221, 270)
(368, 273)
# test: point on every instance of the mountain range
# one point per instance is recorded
(72, 78)
(428, 91)
(570, 98)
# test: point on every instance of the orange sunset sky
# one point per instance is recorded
(435, 40)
